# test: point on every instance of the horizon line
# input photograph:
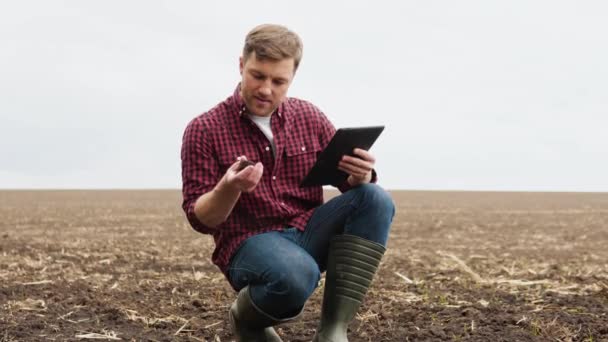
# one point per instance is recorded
(325, 189)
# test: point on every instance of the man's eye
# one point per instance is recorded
(279, 82)
(258, 77)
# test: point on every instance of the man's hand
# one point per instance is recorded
(245, 178)
(214, 207)
(359, 167)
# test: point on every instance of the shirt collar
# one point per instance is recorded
(242, 109)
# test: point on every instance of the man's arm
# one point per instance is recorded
(214, 207)
(208, 196)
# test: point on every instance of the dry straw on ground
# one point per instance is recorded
(124, 265)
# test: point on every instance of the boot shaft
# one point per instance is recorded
(351, 265)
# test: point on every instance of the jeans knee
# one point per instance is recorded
(302, 288)
(374, 214)
(293, 286)
(376, 198)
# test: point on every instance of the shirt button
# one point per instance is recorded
(303, 148)
(274, 177)
(282, 203)
(267, 148)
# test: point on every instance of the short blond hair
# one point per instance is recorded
(273, 42)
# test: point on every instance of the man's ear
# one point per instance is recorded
(241, 65)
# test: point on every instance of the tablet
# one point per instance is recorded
(325, 171)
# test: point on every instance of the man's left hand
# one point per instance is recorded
(359, 167)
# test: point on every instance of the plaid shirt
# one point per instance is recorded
(213, 141)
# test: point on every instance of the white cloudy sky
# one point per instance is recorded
(476, 95)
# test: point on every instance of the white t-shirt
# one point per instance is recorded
(263, 122)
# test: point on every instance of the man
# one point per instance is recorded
(274, 239)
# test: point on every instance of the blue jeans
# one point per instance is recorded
(283, 268)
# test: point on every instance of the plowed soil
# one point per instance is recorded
(460, 266)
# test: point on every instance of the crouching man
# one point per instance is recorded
(242, 162)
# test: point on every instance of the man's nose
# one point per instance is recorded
(265, 89)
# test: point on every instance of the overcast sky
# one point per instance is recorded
(475, 95)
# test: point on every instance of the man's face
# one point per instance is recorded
(264, 83)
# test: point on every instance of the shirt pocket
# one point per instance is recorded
(301, 154)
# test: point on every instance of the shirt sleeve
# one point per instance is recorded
(200, 170)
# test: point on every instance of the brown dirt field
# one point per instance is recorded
(461, 266)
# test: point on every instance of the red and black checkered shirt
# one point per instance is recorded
(213, 141)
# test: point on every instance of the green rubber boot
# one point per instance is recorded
(351, 265)
(249, 323)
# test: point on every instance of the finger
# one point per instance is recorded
(243, 163)
(363, 154)
(258, 169)
(356, 167)
(357, 162)
(252, 174)
(236, 164)
(353, 170)
(355, 175)
(252, 177)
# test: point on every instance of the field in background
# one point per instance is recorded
(461, 266)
